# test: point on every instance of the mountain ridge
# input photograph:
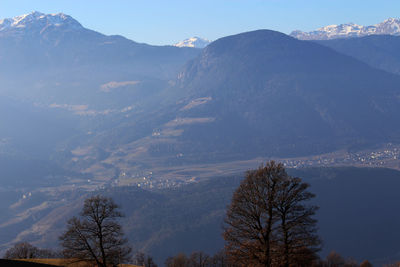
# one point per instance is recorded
(379, 51)
(246, 71)
(37, 19)
(390, 26)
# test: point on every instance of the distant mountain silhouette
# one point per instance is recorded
(58, 78)
(54, 59)
(379, 51)
(349, 30)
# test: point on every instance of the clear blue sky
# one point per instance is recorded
(169, 21)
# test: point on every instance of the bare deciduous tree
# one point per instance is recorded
(268, 222)
(334, 259)
(25, 250)
(142, 259)
(199, 259)
(219, 260)
(22, 250)
(365, 263)
(297, 231)
(179, 260)
(96, 235)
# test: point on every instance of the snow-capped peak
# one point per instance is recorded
(390, 26)
(195, 42)
(38, 19)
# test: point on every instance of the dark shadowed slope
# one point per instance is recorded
(265, 93)
(379, 51)
(357, 217)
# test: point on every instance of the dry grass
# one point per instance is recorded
(69, 263)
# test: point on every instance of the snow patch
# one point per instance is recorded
(390, 26)
(195, 42)
(38, 20)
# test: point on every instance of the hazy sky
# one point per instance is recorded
(169, 21)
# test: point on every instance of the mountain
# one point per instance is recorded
(50, 64)
(37, 21)
(140, 105)
(195, 42)
(137, 106)
(258, 94)
(52, 59)
(390, 26)
(379, 51)
(264, 93)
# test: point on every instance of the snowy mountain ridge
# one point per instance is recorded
(38, 19)
(196, 42)
(390, 26)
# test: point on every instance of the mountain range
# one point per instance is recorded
(38, 21)
(379, 51)
(130, 105)
(265, 94)
(390, 26)
(57, 58)
(51, 64)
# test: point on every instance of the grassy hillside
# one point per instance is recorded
(22, 263)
